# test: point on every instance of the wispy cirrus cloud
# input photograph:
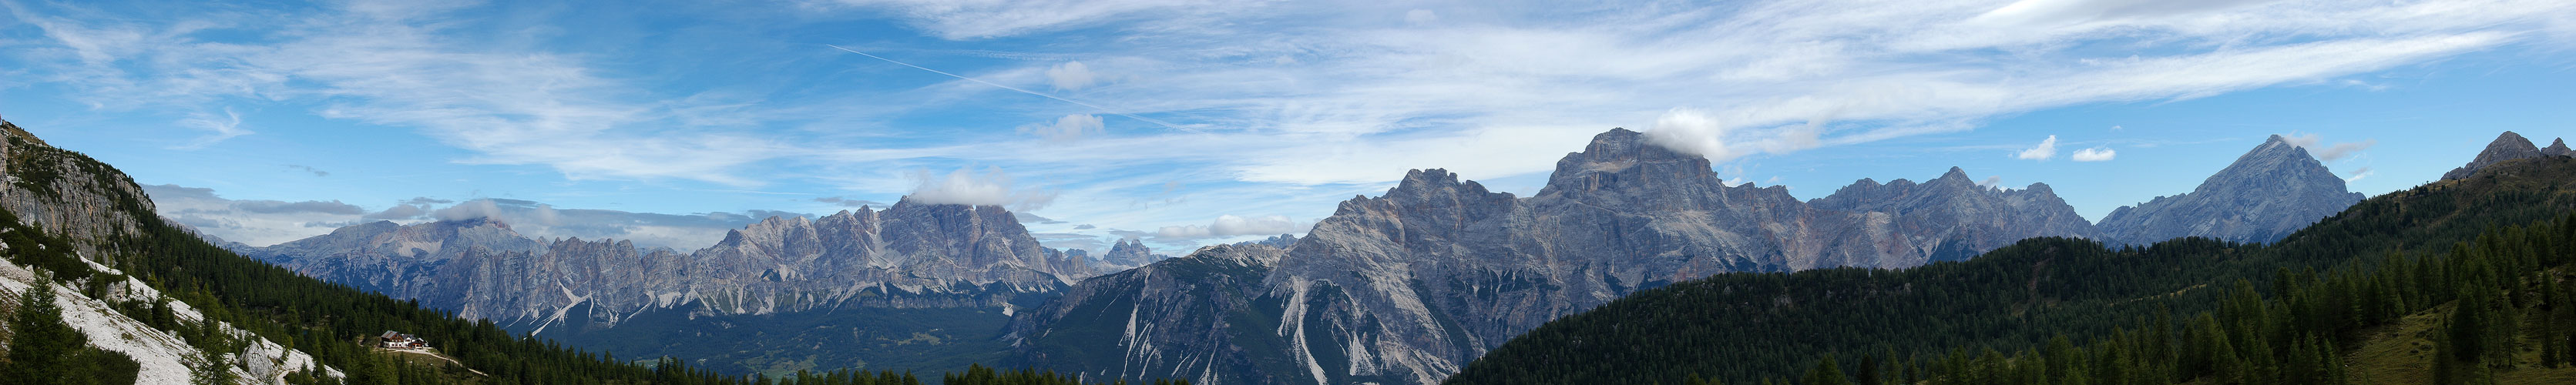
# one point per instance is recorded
(397, 65)
(1264, 108)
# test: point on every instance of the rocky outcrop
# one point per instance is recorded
(69, 194)
(2506, 147)
(1408, 286)
(2269, 192)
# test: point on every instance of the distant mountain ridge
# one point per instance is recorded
(907, 256)
(1927, 208)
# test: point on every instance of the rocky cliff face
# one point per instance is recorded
(2508, 146)
(2267, 194)
(908, 256)
(69, 194)
(1408, 286)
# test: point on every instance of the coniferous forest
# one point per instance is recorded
(2472, 267)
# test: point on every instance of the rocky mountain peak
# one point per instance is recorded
(1621, 169)
(2507, 146)
(1130, 253)
(1621, 157)
(2269, 192)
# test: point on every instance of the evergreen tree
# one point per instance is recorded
(39, 343)
(2467, 326)
(1826, 373)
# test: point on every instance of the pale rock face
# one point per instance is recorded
(2268, 193)
(1409, 286)
(57, 190)
(908, 256)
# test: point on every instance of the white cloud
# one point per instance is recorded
(1069, 127)
(976, 19)
(221, 128)
(2047, 149)
(1071, 76)
(1991, 181)
(404, 67)
(268, 222)
(2364, 172)
(1421, 17)
(1692, 132)
(2096, 154)
(1233, 226)
(2315, 144)
(1295, 97)
(965, 187)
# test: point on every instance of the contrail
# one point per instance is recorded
(1102, 109)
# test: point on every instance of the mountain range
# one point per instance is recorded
(1406, 287)
(2185, 311)
(1411, 285)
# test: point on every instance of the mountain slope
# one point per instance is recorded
(2267, 193)
(1408, 286)
(1744, 327)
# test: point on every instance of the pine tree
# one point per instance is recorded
(39, 342)
(2467, 325)
(1869, 371)
(1826, 373)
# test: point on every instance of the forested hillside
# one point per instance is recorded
(2142, 315)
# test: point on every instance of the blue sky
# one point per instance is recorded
(1200, 121)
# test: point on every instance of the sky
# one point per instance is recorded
(1191, 122)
